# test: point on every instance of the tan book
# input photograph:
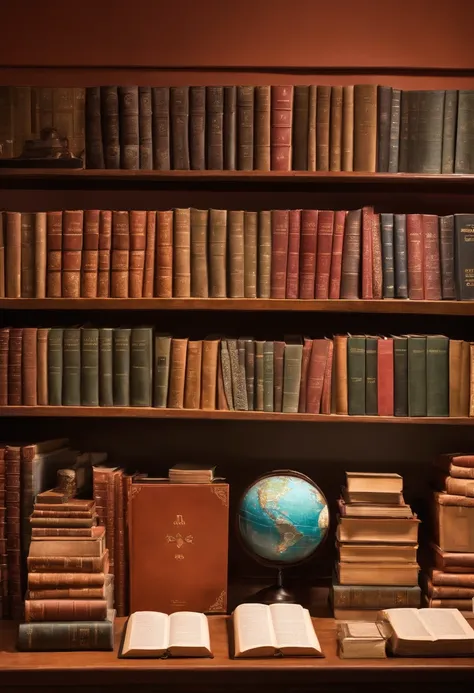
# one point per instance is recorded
(199, 271)
(138, 223)
(363, 640)
(154, 634)
(377, 573)
(236, 253)
(149, 273)
(192, 388)
(210, 353)
(369, 510)
(72, 242)
(370, 482)
(371, 615)
(370, 553)
(348, 128)
(182, 253)
(374, 529)
(164, 254)
(71, 546)
(177, 373)
(217, 253)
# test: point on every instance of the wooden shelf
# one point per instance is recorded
(400, 306)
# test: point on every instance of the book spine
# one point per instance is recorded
(250, 254)
(12, 529)
(340, 369)
(177, 373)
(294, 231)
(413, 153)
(385, 377)
(249, 371)
(137, 221)
(13, 255)
(230, 128)
(105, 243)
(368, 597)
(141, 370)
(394, 137)
(217, 253)
(400, 247)
(414, 230)
(106, 395)
(278, 370)
(182, 253)
(416, 376)
(429, 134)
(121, 366)
(431, 257)
(90, 254)
(145, 128)
(94, 146)
(300, 127)
(54, 244)
(312, 102)
(309, 239)
(192, 388)
(15, 350)
(236, 350)
(2, 253)
(236, 253)
(71, 367)
(324, 253)
(67, 593)
(336, 257)
(245, 125)
(292, 377)
(215, 126)
(386, 223)
(259, 379)
(161, 370)
(210, 352)
(49, 637)
(4, 348)
(73, 225)
(365, 127)
(225, 370)
(449, 131)
(160, 97)
(305, 358)
(55, 366)
(356, 375)
(262, 128)
(109, 104)
(42, 366)
(89, 367)
(323, 114)
(77, 564)
(268, 369)
(348, 128)
(279, 255)
(197, 126)
(351, 255)
(326, 397)
(367, 252)
(315, 379)
(455, 358)
(120, 257)
(384, 103)
(179, 114)
(199, 272)
(335, 134)
(164, 255)
(377, 268)
(281, 127)
(65, 610)
(27, 255)
(120, 567)
(149, 272)
(437, 376)
(403, 147)
(129, 128)
(29, 379)
(371, 386)
(463, 255)
(446, 252)
(104, 497)
(400, 376)
(264, 254)
(53, 581)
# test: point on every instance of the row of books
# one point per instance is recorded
(217, 253)
(414, 375)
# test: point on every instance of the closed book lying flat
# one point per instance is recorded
(387, 531)
(154, 634)
(446, 591)
(367, 510)
(374, 497)
(67, 547)
(371, 615)
(374, 596)
(361, 640)
(370, 553)
(377, 573)
(374, 482)
(67, 636)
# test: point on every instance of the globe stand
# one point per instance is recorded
(276, 594)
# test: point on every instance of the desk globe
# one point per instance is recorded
(282, 519)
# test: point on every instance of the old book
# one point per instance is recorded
(259, 377)
(292, 377)
(120, 256)
(54, 258)
(308, 248)
(55, 366)
(129, 127)
(262, 630)
(103, 479)
(65, 610)
(437, 375)
(4, 348)
(400, 376)
(315, 378)
(374, 482)
(278, 365)
(398, 531)
(237, 366)
(192, 389)
(150, 246)
(90, 254)
(423, 632)
(384, 106)
(137, 222)
(323, 115)
(371, 376)
(77, 564)
(264, 253)
(226, 373)
(305, 359)
(336, 257)
(160, 98)
(415, 259)
(464, 159)
(385, 377)
(452, 561)
(236, 271)
(109, 113)
(29, 367)
(73, 224)
(155, 634)
(268, 376)
(197, 126)
(182, 253)
(262, 128)
(13, 254)
(449, 130)
(377, 269)
(250, 372)
(89, 367)
(245, 126)
(230, 127)
(356, 375)
(141, 366)
(42, 365)
(445, 591)
(70, 546)
(7, 123)
(370, 553)
(327, 406)
(463, 235)
(27, 255)
(15, 370)
(177, 373)
(199, 271)
(400, 255)
(365, 127)
(61, 522)
(179, 120)
(300, 127)
(71, 367)
(370, 510)
(210, 352)
(279, 252)
(360, 641)
(348, 128)
(388, 266)
(341, 374)
(106, 375)
(12, 555)
(2, 254)
(94, 144)
(121, 366)
(367, 269)
(446, 253)
(161, 370)
(51, 581)
(417, 376)
(374, 596)
(456, 464)
(335, 133)
(164, 254)
(66, 636)
(431, 257)
(324, 253)
(394, 136)
(438, 577)
(217, 253)
(281, 127)
(250, 253)
(378, 573)
(105, 244)
(351, 255)
(215, 127)
(312, 103)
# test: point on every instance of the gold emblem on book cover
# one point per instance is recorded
(219, 604)
(221, 493)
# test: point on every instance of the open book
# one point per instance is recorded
(275, 630)
(427, 632)
(153, 634)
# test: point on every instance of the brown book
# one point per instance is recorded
(458, 378)
(27, 255)
(2, 254)
(160, 125)
(348, 128)
(307, 347)
(336, 257)
(235, 220)
(224, 386)
(120, 255)
(13, 530)
(377, 573)
(164, 254)
(67, 593)
(245, 126)
(365, 127)
(109, 110)
(438, 577)
(54, 224)
(42, 365)
(137, 253)
(199, 271)
(280, 219)
(377, 270)
(210, 351)
(120, 545)
(188, 514)
(67, 546)
(326, 397)
(229, 123)
(73, 224)
(335, 135)
(149, 272)
(462, 605)
(103, 479)
(217, 253)
(129, 129)
(13, 255)
(316, 371)
(262, 135)
(178, 357)
(431, 257)
(215, 127)
(293, 270)
(250, 254)
(456, 487)
(264, 253)
(452, 561)
(367, 287)
(324, 253)
(15, 349)
(4, 348)
(358, 529)
(340, 368)
(308, 245)
(90, 254)
(53, 581)
(351, 255)
(453, 518)
(182, 253)
(65, 610)
(456, 464)
(278, 363)
(62, 522)
(179, 120)
(312, 107)
(29, 367)
(323, 114)
(415, 247)
(50, 532)
(300, 127)
(372, 553)
(197, 127)
(370, 510)
(75, 504)
(192, 389)
(281, 127)
(76, 564)
(453, 591)
(105, 245)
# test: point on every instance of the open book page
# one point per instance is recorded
(294, 630)
(147, 634)
(189, 634)
(407, 624)
(253, 631)
(446, 624)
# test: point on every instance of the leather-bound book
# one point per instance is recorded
(394, 136)
(161, 370)
(180, 578)
(164, 254)
(103, 484)
(384, 107)
(72, 367)
(336, 257)
(452, 525)
(178, 356)
(239, 387)
(215, 130)
(463, 255)
(327, 395)
(437, 375)
(324, 253)
(54, 232)
(105, 244)
(351, 255)
(120, 545)
(106, 370)
(137, 252)
(179, 115)
(315, 379)
(160, 97)
(262, 128)
(250, 372)
(264, 253)
(414, 232)
(429, 133)
(312, 104)
(217, 253)
(90, 254)
(192, 388)
(197, 128)
(250, 254)
(259, 378)
(413, 108)
(280, 221)
(278, 362)
(199, 271)
(335, 132)
(400, 255)
(449, 130)
(347, 157)
(65, 610)
(109, 103)
(58, 637)
(229, 127)
(73, 228)
(2, 254)
(27, 255)
(78, 564)
(323, 115)
(13, 530)
(385, 377)
(141, 367)
(42, 366)
(458, 379)
(121, 364)
(400, 376)
(431, 257)
(293, 271)
(404, 128)
(28, 365)
(446, 592)
(149, 272)
(68, 593)
(245, 126)
(388, 265)
(307, 346)
(309, 231)
(340, 370)
(446, 253)
(62, 108)
(235, 220)
(89, 367)
(182, 253)
(281, 127)
(300, 127)
(120, 256)
(292, 377)
(365, 127)
(371, 376)
(4, 342)
(13, 255)
(367, 253)
(94, 147)
(368, 597)
(356, 375)
(226, 372)
(210, 356)
(129, 128)
(15, 351)
(377, 266)
(145, 128)
(416, 355)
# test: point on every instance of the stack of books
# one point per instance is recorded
(69, 601)
(377, 540)
(185, 473)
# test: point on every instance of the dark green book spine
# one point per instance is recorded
(400, 377)
(394, 131)
(400, 246)
(403, 149)
(162, 370)
(384, 104)
(371, 402)
(292, 377)
(430, 131)
(141, 369)
(121, 353)
(63, 637)
(356, 375)
(268, 376)
(412, 147)
(416, 376)
(72, 367)
(90, 367)
(106, 390)
(55, 366)
(464, 159)
(449, 130)
(388, 265)
(437, 375)
(464, 256)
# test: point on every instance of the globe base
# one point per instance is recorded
(276, 594)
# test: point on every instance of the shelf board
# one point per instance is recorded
(201, 415)
(393, 306)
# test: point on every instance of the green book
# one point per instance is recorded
(72, 367)
(141, 366)
(121, 360)
(437, 375)
(356, 375)
(268, 376)
(162, 370)
(400, 375)
(90, 367)
(371, 394)
(416, 375)
(106, 390)
(55, 366)
(292, 377)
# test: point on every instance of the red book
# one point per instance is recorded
(280, 232)
(385, 377)
(431, 257)
(336, 259)
(90, 254)
(309, 235)
(327, 384)
(377, 273)
(316, 371)
(323, 261)
(281, 122)
(293, 272)
(149, 273)
(367, 252)
(278, 364)
(72, 241)
(307, 346)
(415, 257)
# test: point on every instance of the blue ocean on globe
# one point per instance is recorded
(283, 518)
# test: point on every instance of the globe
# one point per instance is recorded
(282, 518)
